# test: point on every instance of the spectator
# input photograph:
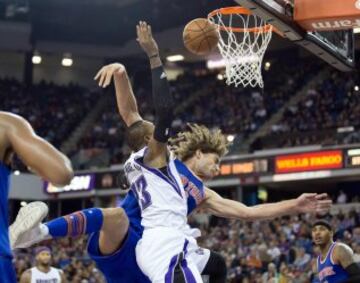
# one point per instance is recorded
(271, 275)
(342, 198)
(302, 259)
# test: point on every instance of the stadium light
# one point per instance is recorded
(267, 66)
(175, 58)
(215, 64)
(67, 61)
(36, 59)
(356, 88)
(230, 138)
(354, 152)
(220, 77)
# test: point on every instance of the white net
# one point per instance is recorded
(243, 39)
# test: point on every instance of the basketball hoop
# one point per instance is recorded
(243, 40)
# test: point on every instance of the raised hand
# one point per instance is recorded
(146, 40)
(106, 73)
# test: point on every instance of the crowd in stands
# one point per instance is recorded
(53, 111)
(277, 251)
(327, 114)
(56, 111)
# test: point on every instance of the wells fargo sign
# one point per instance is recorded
(309, 161)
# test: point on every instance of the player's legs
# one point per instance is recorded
(216, 268)
(208, 262)
(162, 254)
(182, 270)
(113, 231)
(28, 217)
(121, 265)
(87, 221)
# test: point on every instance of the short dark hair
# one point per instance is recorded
(322, 222)
(135, 135)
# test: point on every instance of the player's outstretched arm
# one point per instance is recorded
(125, 98)
(35, 152)
(344, 256)
(306, 203)
(156, 155)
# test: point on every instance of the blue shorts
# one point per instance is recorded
(121, 266)
(7, 270)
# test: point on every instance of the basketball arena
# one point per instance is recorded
(149, 141)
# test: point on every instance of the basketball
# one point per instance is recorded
(200, 36)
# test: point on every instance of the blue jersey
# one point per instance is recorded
(193, 187)
(328, 271)
(4, 224)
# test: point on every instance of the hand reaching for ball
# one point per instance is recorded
(146, 39)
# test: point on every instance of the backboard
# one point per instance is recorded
(334, 47)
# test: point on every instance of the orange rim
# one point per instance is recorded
(230, 11)
(242, 11)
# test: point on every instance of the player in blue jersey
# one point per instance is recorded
(116, 231)
(18, 137)
(335, 264)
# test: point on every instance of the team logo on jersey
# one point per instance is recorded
(200, 251)
(192, 190)
(128, 168)
(46, 280)
(327, 271)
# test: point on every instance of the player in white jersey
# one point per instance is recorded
(163, 251)
(154, 179)
(43, 272)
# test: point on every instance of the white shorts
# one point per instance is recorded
(161, 250)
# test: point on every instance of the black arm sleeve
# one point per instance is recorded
(163, 104)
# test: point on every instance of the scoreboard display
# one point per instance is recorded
(292, 166)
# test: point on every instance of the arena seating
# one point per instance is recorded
(55, 111)
(332, 104)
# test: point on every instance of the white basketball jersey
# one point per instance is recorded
(161, 197)
(53, 276)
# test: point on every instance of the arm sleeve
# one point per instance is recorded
(163, 104)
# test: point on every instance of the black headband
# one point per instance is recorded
(322, 223)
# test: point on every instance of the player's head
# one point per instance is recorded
(43, 256)
(202, 147)
(322, 233)
(139, 134)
